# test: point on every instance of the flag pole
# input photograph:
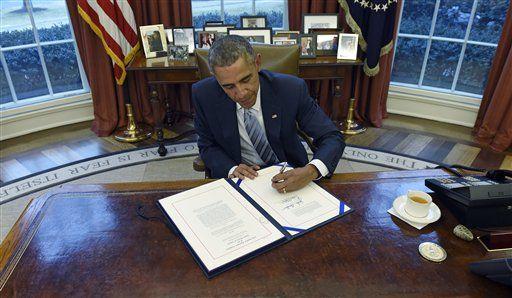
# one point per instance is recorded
(132, 132)
(351, 126)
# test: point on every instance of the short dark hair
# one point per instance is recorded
(228, 49)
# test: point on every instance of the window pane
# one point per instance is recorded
(417, 16)
(488, 21)
(408, 60)
(475, 68)
(273, 9)
(233, 9)
(15, 26)
(441, 64)
(26, 73)
(5, 93)
(62, 67)
(51, 20)
(453, 18)
(205, 10)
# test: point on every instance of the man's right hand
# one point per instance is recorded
(244, 170)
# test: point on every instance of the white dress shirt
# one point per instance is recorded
(249, 154)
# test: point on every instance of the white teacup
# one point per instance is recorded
(417, 203)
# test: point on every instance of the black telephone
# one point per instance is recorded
(499, 175)
(477, 201)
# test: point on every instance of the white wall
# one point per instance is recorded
(40, 116)
(443, 107)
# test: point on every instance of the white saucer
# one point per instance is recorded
(433, 214)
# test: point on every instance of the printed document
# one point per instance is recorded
(219, 223)
(300, 209)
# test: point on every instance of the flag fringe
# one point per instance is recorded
(117, 60)
(362, 42)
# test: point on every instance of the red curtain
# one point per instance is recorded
(108, 100)
(370, 92)
(493, 125)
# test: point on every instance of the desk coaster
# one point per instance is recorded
(432, 252)
(418, 226)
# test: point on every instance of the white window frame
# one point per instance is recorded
(466, 96)
(15, 103)
(21, 117)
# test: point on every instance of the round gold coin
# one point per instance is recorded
(432, 252)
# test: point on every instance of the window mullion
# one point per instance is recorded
(463, 49)
(20, 47)
(254, 7)
(286, 25)
(429, 42)
(222, 15)
(481, 43)
(398, 33)
(409, 35)
(39, 49)
(54, 42)
(8, 77)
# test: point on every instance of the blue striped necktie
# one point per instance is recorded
(258, 138)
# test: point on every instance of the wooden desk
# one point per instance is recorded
(89, 240)
(163, 71)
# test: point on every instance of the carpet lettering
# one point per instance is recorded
(72, 171)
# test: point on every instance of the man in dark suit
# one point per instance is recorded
(247, 119)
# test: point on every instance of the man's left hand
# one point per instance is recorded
(294, 179)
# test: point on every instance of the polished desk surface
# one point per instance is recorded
(89, 240)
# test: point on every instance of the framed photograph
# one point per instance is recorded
(324, 20)
(326, 44)
(154, 40)
(184, 36)
(205, 39)
(218, 28)
(253, 21)
(213, 23)
(286, 34)
(277, 39)
(322, 30)
(347, 46)
(284, 42)
(261, 35)
(307, 45)
(168, 34)
(178, 52)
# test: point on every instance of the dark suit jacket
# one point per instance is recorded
(285, 102)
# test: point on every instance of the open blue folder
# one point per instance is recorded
(289, 232)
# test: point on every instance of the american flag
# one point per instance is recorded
(114, 23)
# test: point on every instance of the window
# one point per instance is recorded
(447, 45)
(38, 54)
(230, 11)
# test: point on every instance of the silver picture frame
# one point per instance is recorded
(184, 36)
(347, 46)
(154, 40)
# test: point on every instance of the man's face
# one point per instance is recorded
(240, 80)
